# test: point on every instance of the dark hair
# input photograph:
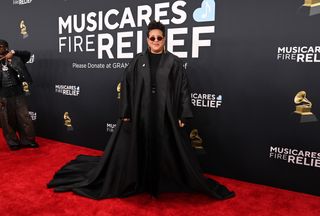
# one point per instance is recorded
(156, 25)
(4, 43)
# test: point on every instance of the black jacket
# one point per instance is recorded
(17, 63)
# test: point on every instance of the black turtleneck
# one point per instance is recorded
(154, 60)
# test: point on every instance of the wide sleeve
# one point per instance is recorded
(125, 95)
(185, 100)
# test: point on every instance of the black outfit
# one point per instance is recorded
(151, 153)
(152, 148)
(14, 115)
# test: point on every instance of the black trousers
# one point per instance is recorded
(15, 119)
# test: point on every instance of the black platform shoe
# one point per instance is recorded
(29, 144)
(13, 145)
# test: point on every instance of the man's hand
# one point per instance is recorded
(181, 124)
(8, 56)
(125, 119)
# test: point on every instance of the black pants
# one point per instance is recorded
(15, 118)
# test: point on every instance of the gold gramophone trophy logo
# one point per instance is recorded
(311, 7)
(67, 121)
(196, 140)
(23, 29)
(119, 90)
(303, 108)
(25, 88)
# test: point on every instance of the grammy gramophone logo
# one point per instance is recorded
(311, 3)
(311, 7)
(67, 121)
(23, 29)
(303, 107)
(25, 88)
(196, 140)
(118, 89)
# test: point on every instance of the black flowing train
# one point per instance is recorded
(151, 153)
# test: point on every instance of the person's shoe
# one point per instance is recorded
(33, 145)
(30, 144)
(231, 194)
(225, 193)
(13, 145)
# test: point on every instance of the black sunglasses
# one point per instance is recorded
(153, 38)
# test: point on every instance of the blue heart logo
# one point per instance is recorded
(206, 12)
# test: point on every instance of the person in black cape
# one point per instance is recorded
(149, 150)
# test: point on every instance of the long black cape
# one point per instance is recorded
(151, 153)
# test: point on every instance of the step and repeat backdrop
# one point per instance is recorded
(253, 66)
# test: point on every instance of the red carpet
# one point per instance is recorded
(23, 192)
